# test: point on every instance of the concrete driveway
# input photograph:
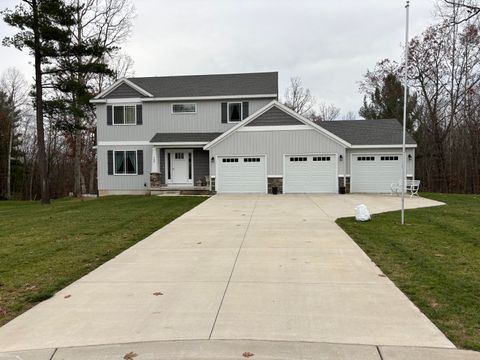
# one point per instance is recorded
(237, 267)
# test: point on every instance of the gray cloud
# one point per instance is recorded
(329, 44)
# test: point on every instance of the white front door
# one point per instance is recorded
(179, 166)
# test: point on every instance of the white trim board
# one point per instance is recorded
(214, 97)
(275, 128)
(383, 146)
(179, 143)
(124, 143)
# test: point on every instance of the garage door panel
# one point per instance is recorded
(241, 174)
(375, 173)
(310, 174)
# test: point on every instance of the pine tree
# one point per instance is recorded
(386, 102)
(43, 26)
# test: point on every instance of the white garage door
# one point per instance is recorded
(310, 174)
(241, 174)
(374, 172)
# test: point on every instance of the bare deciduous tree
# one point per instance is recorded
(466, 10)
(14, 85)
(350, 115)
(325, 112)
(299, 98)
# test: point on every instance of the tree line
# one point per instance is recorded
(443, 107)
(47, 131)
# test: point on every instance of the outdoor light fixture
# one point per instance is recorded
(409, 156)
(212, 159)
(340, 157)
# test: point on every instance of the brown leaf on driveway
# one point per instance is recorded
(158, 293)
(247, 354)
(67, 296)
(130, 356)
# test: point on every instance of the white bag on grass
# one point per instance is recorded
(362, 213)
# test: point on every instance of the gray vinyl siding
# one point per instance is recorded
(276, 144)
(201, 161)
(123, 91)
(123, 182)
(383, 151)
(274, 116)
(158, 118)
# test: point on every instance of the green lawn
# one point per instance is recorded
(44, 248)
(434, 259)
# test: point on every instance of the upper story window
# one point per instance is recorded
(234, 111)
(124, 115)
(184, 108)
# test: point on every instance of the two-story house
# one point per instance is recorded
(229, 133)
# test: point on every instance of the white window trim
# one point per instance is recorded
(125, 173)
(184, 112)
(228, 112)
(124, 105)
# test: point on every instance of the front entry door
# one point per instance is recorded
(180, 162)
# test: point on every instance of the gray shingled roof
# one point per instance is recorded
(368, 132)
(184, 137)
(210, 85)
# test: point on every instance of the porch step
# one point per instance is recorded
(181, 192)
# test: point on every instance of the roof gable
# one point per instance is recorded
(123, 91)
(275, 104)
(126, 89)
(274, 117)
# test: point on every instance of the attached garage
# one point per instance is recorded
(375, 172)
(306, 157)
(241, 174)
(310, 174)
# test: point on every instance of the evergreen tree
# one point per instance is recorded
(386, 102)
(44, 31)
(83, 59)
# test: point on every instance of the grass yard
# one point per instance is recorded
(45, 248)
(434, 259)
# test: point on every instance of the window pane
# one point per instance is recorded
(118, 115)
(119, 162)
(131, 162)
(234, 111)
(190, 166)
(184, 108)
(130, 115)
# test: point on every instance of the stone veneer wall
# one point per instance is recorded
(275, 181)
(344, 182)
(212, 183)
(155, 180)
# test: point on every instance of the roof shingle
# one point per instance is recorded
(184, 137)
(260, 83)
(368, 132)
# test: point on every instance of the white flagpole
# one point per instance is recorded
(404, 157)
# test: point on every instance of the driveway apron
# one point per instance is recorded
(249, 267)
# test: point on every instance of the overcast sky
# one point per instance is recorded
(328, 43)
